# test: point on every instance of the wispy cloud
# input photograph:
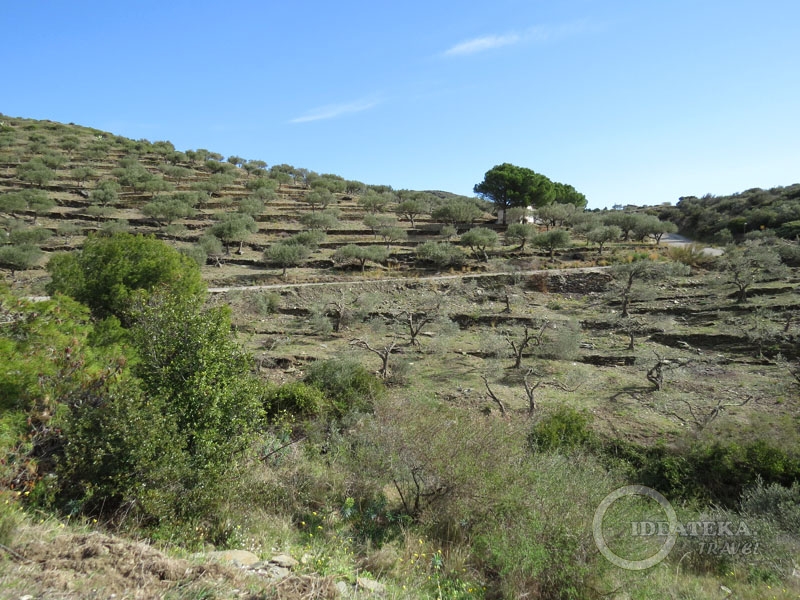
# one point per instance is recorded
(332, 111)
(480, 44)
(537, 34)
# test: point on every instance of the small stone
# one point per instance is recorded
(370, 585)
(278, 573)
(344, 590)
(283, 560)
(242, 558)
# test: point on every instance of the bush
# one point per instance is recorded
(562, 429)
(346, 383)
(440, 254)
(266, 304)
(110, 271)
(691, 255)
(719, 472)
(297, 399)
(775, 503)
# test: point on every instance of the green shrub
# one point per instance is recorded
(109, 272)
(298, 399)
(348, 385)
(440, 254)
(775, 503)
(266, 304)
(562, 429)
(708, 471)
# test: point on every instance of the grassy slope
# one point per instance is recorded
(448, 366)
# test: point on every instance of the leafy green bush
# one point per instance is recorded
(110, 271)
(709, 471)
(297, 399)
(346, 382)
(562, 429)
(440, 254)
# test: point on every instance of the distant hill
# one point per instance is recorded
(723, 218)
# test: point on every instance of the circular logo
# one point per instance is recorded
(634, 490)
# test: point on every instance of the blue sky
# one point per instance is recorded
(634, 101)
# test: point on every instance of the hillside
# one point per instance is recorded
(406, 398)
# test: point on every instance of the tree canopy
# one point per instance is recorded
(508, 186)
(110, 271)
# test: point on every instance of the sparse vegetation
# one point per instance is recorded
(370, 420)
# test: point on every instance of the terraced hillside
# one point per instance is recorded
(412, 394)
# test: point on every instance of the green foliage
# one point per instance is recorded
(552, 240)
(773, 502)
(455, 211)
(603, 235)
(319, 198)
(508, 186)
(234, 227)
(323, 220)
(562, 429)
(30, 235)
(411, 209)
(311, 239)
(162, 447)
(266, 303)
(479, 239)
(628, 222)
(555, 214)
(440, 254)
(520, 233)
(351, 253)
(392, 234)
(378, 222)
(286, 254)
(106, 192)
(707, 470)
(375, 202)
(565, 194)
(20, 257)
(704, 218)
(165, 210)
(348, 385)
(749, 263)
(109, 272)
(187, 356)
(36, 172)
(297, 399)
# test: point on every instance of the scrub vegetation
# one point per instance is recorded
(408, 395)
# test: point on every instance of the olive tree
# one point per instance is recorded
(360, 255)
(749, 263)
(411, 208)
(551, 241)
(234, 227)
(479, 239)
(603, 235)
(286, 254)
(629, 279)
(521, 233)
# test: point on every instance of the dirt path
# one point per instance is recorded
(281, 286)
(673, 239)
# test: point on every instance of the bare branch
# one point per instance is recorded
(493, 396)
